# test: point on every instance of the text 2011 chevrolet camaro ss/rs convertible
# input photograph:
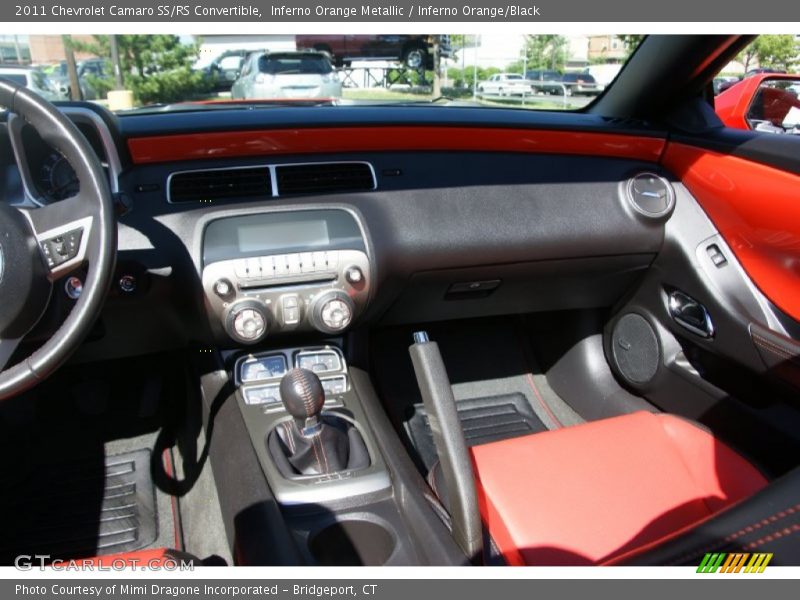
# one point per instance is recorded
(420, 333)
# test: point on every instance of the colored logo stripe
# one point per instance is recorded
(734, 563)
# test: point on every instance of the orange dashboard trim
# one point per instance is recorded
(756, 209)
(231, 144)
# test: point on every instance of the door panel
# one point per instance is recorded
(756, 208)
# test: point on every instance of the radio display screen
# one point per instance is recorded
(268, 237)
(280, 232)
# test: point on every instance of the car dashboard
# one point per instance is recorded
(286, 221)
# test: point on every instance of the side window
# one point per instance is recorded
(248, 66)
(775, 106)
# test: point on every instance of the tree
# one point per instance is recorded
(777, 51)
(157, 68)
(747, 56)
(631, 41)
(546, 52)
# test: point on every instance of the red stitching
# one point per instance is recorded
(322, 449)
(432, 479)
(785, 532)
(787, 512)
(775, 348)
(542, 402)
(763, 522)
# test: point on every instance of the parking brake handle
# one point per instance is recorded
(448, 437)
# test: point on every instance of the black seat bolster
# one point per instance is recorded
(768, 521)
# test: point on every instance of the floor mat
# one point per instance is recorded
(86, 507)
(486, 358)
(483, 420)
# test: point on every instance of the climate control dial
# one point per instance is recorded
(332, 311)
(247, 321)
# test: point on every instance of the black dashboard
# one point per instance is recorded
(443, 234)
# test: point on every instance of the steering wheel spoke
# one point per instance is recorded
(7, 348)
(62, 232)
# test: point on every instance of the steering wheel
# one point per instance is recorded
(39, 246)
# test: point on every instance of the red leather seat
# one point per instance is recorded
(590, 493)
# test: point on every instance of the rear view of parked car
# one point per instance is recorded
(505, 84)
(580, 84)
(545, 82)
(287, 75)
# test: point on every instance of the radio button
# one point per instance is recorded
(281, 265)
(333, 259)
(306, 262)
(294, 264)
(253, 268)
(240, 268)
(267, 266)
(320, 261)
(354, 275)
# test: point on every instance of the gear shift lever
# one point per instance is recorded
(313, 443)
(303, 397)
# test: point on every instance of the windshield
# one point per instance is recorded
(210, 72)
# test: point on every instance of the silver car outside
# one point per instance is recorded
(287, 75)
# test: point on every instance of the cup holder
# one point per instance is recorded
(352, 543)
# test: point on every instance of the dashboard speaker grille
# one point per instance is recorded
(220, 184)
(324, 177)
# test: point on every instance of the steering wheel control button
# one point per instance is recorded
(73, 287)
(61, 248)
(354, 275)
(128, 284)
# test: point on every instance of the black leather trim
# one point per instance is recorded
(768, 521)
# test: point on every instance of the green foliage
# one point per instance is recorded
(777, 51)
(157, 68)
(546, 51)
(631, 41)
(464, 78)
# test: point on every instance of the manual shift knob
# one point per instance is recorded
(303, 397)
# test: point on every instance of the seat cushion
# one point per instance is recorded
(582, 495)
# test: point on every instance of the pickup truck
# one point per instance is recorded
(413, 51)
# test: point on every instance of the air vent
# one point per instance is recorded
(219, 184)
(324, 177)
(651, 195)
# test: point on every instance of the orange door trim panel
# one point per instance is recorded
(230, 144)
(756, 208)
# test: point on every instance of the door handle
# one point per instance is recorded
(690, 314)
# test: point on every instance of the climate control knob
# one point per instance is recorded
(332, 311)
(247, 321)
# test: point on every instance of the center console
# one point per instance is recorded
(303, 271)
(261, 393)
(284, 271)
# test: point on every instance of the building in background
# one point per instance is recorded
(606, 49)
(49, 49)
(14, 49)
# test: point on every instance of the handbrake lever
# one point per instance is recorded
(448, 437)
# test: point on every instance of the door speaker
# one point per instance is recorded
(635, 349)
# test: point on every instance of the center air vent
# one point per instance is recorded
(324, 177)
(651, 195)
(219, 184)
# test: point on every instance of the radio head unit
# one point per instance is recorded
(271, 272)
